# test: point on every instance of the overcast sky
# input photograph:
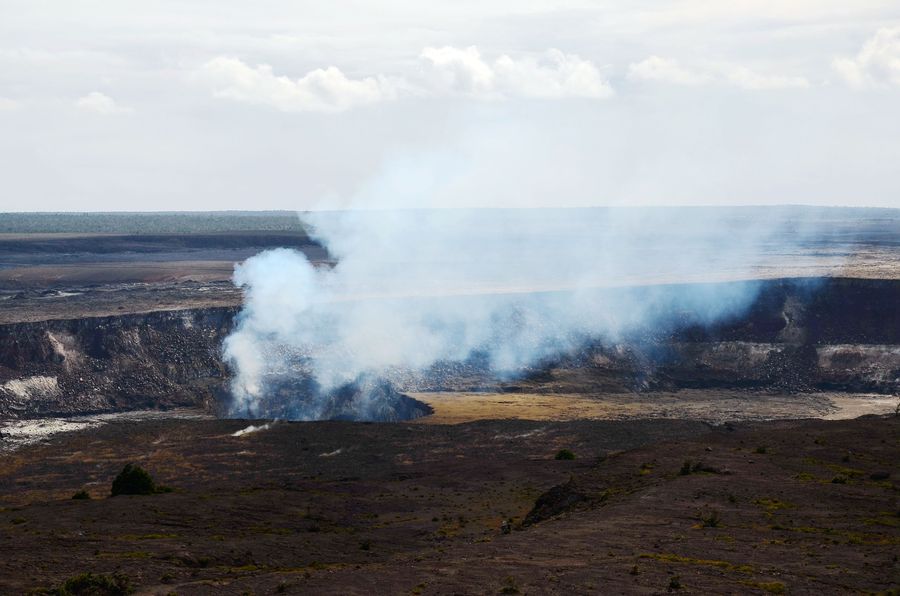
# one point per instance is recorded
(291, 104)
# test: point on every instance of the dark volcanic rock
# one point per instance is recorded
(299, 397)
(159, 359)
(555, 501)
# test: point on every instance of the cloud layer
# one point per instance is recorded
(876, 64)
(320, 90)
(100, 103)
(551, 75)
(665, 70)
(296, 105)
(444, 72)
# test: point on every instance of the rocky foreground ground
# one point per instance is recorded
(800, 507)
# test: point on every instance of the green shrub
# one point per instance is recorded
(133, 480)
(711, 519)
(761, 449)
(81, 495)
(509, 586)
(564, 454)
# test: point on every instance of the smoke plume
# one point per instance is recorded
(412, 288)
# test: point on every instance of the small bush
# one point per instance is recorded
(133, 480)
(674, 583)
(711, 519)
(839, 479)
(81, 495)
(685, 468)
(510, 586)
(762, 449)
(88, 584)
(564, 454)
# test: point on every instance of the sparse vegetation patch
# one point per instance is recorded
(134, 480)
(89, 584)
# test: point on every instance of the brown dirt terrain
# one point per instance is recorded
(713, 405)
(801, 507)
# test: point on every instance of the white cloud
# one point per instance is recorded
(877, 63)
(666, 70)
(8, 104)
(448, 71)
(320, 90)
(655, 68)
(745, 78)
(460, 70)
(100, 103)
(553, 74)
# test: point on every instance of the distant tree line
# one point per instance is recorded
(150, 223)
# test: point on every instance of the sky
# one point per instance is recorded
(294, 104)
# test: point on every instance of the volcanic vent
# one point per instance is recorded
(300, 397)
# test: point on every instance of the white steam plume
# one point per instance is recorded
(412, 288)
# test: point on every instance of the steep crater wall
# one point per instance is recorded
(159, 359)
(798, 335)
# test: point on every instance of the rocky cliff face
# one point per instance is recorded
(160, 359)
(797, 336)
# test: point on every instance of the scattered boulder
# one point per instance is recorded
(557, 500)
